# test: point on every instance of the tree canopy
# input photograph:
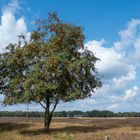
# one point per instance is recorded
(51, 67)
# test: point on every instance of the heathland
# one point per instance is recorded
(31, 128)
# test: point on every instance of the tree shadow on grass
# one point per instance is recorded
(4, 127)
(100, 125)
(77, 129)
(68, 129)
(32, 132)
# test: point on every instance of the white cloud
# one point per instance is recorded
(118, 68)
(124, 79)
(10, 27)
(129, 43)
(112, 107)
(12, 6)
(111, 60)
(129, 34)
(131, 93)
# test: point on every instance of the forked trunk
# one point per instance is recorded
(48, 116)
(47, 121)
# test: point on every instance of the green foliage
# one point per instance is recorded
(54, 65)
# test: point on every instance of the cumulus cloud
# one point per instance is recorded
(111, 60)
(131, 93)
(112, 107)
(10, 27)
(129, 43)
(123, 80)
(118, 67)
(12, 6)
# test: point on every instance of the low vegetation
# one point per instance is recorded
(23, 128)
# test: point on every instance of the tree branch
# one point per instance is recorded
(42, 105)
(38, 101)
(54, 108)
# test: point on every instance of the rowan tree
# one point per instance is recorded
(53, 67)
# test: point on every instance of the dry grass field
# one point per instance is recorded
(70, 129)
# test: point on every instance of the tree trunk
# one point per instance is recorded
(47, 121)
(48, 116)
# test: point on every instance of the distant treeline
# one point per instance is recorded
(94, 113)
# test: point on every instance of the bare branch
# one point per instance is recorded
(54, 108)
(42, 105)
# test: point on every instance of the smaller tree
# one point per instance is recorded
(52, 67)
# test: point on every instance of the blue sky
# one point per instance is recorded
(112, 30)
(99, 18)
